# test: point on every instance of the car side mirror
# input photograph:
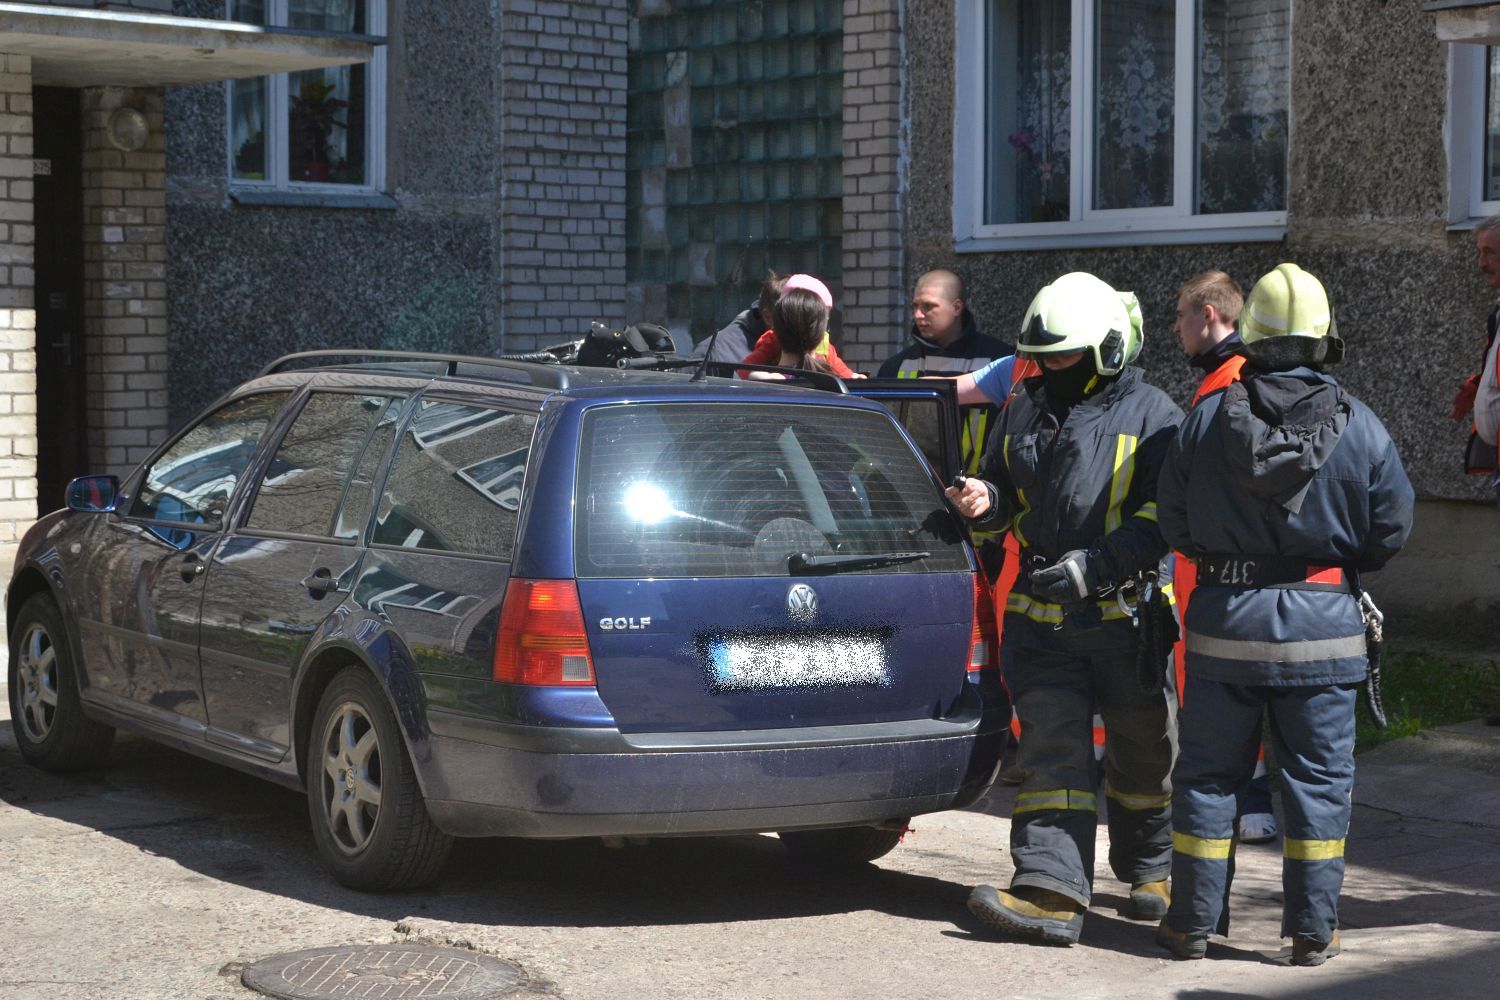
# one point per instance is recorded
(94, 494)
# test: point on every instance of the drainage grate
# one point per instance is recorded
(383, 972)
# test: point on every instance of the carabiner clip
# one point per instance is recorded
(1373, 618)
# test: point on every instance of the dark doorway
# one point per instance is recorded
(62, 444)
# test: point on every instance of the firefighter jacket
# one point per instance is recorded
(1282, 470)
(1087, 483)
(969, 352)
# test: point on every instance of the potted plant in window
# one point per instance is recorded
(313, 118)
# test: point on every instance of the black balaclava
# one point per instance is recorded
(1066, 387)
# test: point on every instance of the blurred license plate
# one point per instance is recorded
(749, 663)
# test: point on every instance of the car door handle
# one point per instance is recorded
(192, 567)
(320, 582)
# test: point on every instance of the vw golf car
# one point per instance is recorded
(454, 597)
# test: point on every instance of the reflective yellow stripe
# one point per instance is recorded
(1059, 798)
(1015, 522)
(1211, 848)
(1147, 511)
(1140, 803)
(1312, 850)
(908, 373)
(974, 431)
(1119, 484)
(1037, 611)
(1051, 614)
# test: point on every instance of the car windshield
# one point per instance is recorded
(684, 489)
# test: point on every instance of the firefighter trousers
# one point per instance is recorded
(1312, 738)
(1057, 677)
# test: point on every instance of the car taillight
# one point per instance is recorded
(984, 638)
(542, 639)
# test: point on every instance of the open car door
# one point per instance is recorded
(928, 409)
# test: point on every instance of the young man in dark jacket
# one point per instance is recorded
(736, 340)
(1283, 488)
(945, 340)
(1071, 470)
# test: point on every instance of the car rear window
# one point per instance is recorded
(687, 489)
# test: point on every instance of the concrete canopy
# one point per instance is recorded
(87, 48)
(1471, 21)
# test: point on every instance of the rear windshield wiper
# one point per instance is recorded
(802, 564)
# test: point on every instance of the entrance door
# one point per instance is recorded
(62, 445)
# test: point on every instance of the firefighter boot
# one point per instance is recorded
(1029, 912)
(1184, 947)
(1310, 951)
(1149, 900)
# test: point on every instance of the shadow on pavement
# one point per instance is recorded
(227, 826)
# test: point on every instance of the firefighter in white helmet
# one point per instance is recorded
(1071, 469)
(1283, 488)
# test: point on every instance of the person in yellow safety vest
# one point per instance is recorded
(945, 340)
(992, 385)
(1071, 471)
(1208, 307)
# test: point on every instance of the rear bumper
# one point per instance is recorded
(633, 785)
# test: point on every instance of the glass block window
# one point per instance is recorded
(321, 129)
(734, 152)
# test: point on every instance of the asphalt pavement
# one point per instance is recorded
(161, 876)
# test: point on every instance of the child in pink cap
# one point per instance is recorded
(767, 350)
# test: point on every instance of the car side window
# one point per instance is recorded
(308, 474)
(359, 497)
(455, 484)
(192, 481)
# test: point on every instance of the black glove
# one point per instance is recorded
(1067, 581)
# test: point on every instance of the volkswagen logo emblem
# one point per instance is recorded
(802, 602)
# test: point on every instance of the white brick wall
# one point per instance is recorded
(562, 168)
(125, 282)
(17, 310)
(875, 180)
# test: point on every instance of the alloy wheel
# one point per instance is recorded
(351, 777)
(36, 672)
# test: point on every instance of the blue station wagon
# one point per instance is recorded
(456, 597)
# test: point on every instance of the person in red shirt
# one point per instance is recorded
(802, 318)
(768, 349)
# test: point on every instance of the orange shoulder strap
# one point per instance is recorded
(1220, 378)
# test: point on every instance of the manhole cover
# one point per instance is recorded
(383, 972)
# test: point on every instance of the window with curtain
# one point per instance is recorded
(1091, 122)
(319, 129)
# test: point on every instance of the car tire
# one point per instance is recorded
(46, 711)
(368, 816)
(846, 845)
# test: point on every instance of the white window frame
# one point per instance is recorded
(1464, 135)
(1088, 227)
(278, 162)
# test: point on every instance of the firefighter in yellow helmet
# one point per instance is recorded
(1283, 488)
(1071, 469)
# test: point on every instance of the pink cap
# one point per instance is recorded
(808, 283)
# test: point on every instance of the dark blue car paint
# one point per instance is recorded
(494, 758)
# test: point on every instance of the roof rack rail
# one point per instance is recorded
(538, 374)
(826, 381)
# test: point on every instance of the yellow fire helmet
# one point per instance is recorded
(1287, 322)
(1079, 312)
